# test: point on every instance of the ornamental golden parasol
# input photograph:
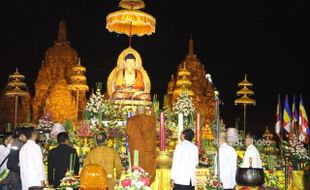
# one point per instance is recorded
(245, 100)
(130, 20)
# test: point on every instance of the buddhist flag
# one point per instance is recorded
(303, 122)
(287, 115)
(278, 118)
(295, 116)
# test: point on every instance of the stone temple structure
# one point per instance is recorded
(51, 87)
(200, 89)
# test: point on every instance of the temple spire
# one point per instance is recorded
(191, 46)
(62, 31)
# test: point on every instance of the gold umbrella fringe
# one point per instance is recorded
(140, 22)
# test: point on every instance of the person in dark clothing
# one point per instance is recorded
(59, 160)
(13, 180)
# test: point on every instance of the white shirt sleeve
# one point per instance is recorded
(38, 159)
(175, 161)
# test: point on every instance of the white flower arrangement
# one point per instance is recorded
(96, 103)
(184, 105)
(297, 150)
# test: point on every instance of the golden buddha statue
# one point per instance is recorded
(129, 78)
(128, 83)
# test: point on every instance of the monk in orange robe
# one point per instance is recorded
(141, 131)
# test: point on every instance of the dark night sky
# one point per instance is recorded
(268, 40)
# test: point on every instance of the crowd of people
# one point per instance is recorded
(22, 156)
(185, 161)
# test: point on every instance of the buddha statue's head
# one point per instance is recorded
(130, 62)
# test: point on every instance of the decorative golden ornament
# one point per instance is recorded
(245, 82)
(245, 90)
(245, 100)
(16, 92)
(267, 134)
(183, 81)
(16, 76)
(171, 86)
(93, 177)
(78, 79)
(132, 4)
(183, 72)
(130, 20)
(164, 160)
(16, 88)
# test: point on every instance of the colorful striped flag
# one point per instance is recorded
(295, 117)
(303, 122)
(278, 118)
(287, 116)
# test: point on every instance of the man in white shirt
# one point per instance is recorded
(227, 163)
(32, 171)
(184, 163)
(251, 156)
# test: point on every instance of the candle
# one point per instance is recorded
(180, 125)
(127, 148)
(129, 114)
(135, 158)
(129, 162)
(162, 132)
(70, 164)
(198, 139)
(73, 162)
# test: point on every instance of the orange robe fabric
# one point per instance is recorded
(141, 131)
(120, 82)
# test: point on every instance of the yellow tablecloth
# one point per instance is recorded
(162, 180)
(297, 180)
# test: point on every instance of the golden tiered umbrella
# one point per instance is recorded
(16, 88)
(78, 83)
(130, 20)
(245, 100)
(183, 83)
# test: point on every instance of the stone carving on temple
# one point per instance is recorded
(60, 103)
(203, 93)
(56, 66)
(128, 83)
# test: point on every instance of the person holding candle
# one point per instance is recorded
(106, 157)
(184, 162)
(61, 159)
(141, 132)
